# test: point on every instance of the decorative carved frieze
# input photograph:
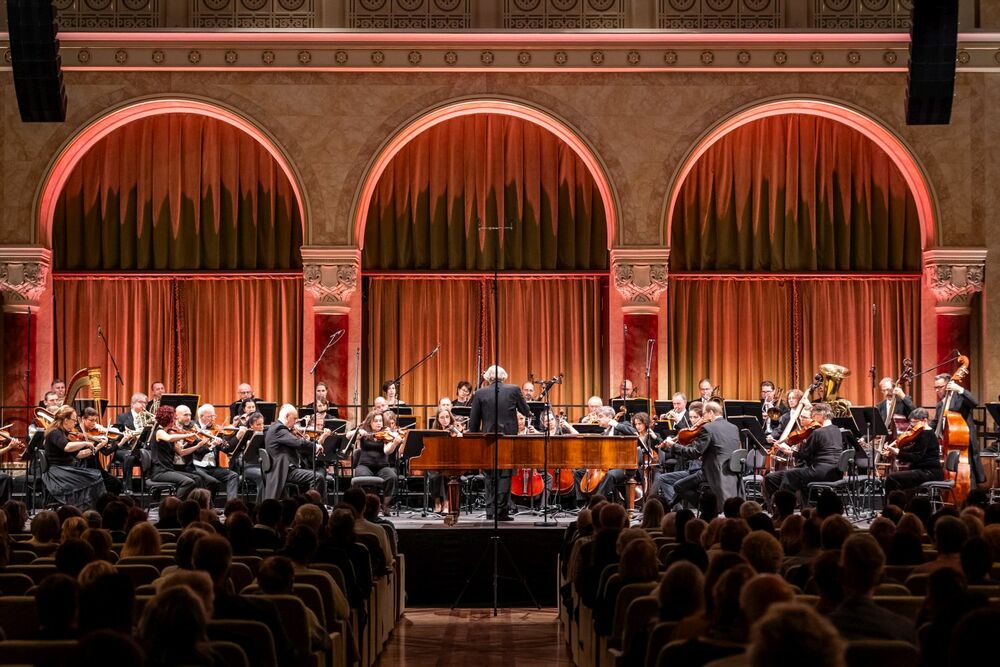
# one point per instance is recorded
(721, 14)
(640, 275)
(331, 274)
(107, 15)
(253, 14)
(954, 275)
(409, 15)
(24, 271)
(861, 14)
(564, 14)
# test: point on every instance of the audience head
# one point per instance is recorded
(784, 503)
(200, 583)
(188, 512)
(749, 508)
(950, 533)
(731, 508)
(922, 508)
(690, 552)
(826, 576)
(72, 555)
(732, 533)
(73, 527)
(269, 513)
(791, 534)
(991, 535)
(142, 540)
(652, 514)
(340, 527)
(834, 531)
(115, 516)
(300, 545)
(761, 521)
(976, 561)
(681, 592)
(56, 600)
(93, 570)
(829, 504)
(276, 576)
(721, 563)
(761, 592)
(311, 516)
(95, 647)
(681, 518)
(172, 627)
(239, 531)
(185, 546)
(669, 524)
(212, 554)
(17, 515)
(638, 561)
(724, 599)
(168, 508)
(356, 498)
(883, 530)
(861, 564)
(708, 505)
(693, 530)
(100, 541)
(795, 634)
(107, 599)
(45, 527)
(912, 524)
(763, 551)
(613, 517)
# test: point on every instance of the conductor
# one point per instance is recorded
(496, 405)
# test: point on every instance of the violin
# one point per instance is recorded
(385, 436)
(5, 436)
(801, 435)
(686, 436)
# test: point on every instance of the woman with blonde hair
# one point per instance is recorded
(142, 540)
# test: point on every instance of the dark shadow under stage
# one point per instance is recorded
(439, 560)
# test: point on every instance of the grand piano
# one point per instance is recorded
(475, 451)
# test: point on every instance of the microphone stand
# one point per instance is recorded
(336, 336)
(549, 418)
(118, 374)
(398, 381)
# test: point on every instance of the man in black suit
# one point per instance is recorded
(769, 400)
(284, 448)
(128, 421)
(614, 481)
(715, 445)
(244, 392)
(495, 408)
(962, 402)
(819, 456)
(904, 404)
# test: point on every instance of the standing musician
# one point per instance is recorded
(962, 402)
(89, 423)
(614, 481)
(463, 394)
(768, 402)
(792, 398)
(818, 456)
(683, 483)
(904, 404)
(678, 413)
(714, 445)
(254, 423)
(494, 410)
(437, 484)
(322, 410)
(156, 391)
(64, 480)
(594, 404)
(375, 444)
(922, 452)
(184, 452)
(135, 419)
(284, 446)
(243, 392)
(705, 390)
(206, 458)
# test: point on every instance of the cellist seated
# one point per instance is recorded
(818, 455)
(919, 448)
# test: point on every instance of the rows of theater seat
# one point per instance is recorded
(285, 583)
(920, 585)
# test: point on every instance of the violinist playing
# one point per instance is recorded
(818, 454)
(682, 483)
(206, 458)
(64, 480)
(714, 444)
(919, 448)
(436, 482)
(90, 427)
(8, 444)
(375, 444)
(171, 449)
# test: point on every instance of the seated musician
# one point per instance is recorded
(714, 445)
(705, 390)
(817, 457)
(239, 462)
(14, 446)
(90, 425)
(556, 425)
(322, 410)
(922, 453)
(136, 419)
(285, 447)
(243, 392)
(58, 387)
(437, 484)
(206, 458)
(380, 404)
(463, 394)
(614, 481)
(594, 404)
(768, 403)
(904, 404)
(679, 485)
(172, 449)
(247, 407)
(156, 391)
(391, 392)
(792, 398)
(65, 481)
(375, 444)
(678, 413)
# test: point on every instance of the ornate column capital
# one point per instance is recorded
(24, 272)
(331, 275)
(954, 275)
(640, 275)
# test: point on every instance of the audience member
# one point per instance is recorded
(794, 634)
(763, 551)
(107, 600)
(142, 540)
(56, 600)
(172, 630)
(652, 514)
(72, 555)
(95, 647)
(681, 592)
(950, 534)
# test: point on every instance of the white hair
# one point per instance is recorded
(495, 373)
(205, 408)
(286, 410)
(606, 411)
(595, 401)
(138, 396)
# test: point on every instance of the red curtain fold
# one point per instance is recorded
(739, 331)
(199, 335)
(548, 325)
(795, 193)
(177, 192)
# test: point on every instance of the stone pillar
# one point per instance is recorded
(954, 276)
(24, 273)
(331, 277)
(637, 316)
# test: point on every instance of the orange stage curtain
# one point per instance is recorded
(177, 192)
(795, 193)
(462, 187)
(198, 335)
(548, 325)
(739, 331)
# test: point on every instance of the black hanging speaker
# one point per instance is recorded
(930, 81)
(34, 57)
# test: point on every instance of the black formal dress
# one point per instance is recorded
(64, 480)
(246, 462)
(963, 404)
(495, 407)
(284, 448)
(924, 457)
(715, 446)
(818, 457)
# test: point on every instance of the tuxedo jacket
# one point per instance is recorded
(493, 404)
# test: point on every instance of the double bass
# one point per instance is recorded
(953, 433)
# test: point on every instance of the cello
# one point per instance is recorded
(953, 432)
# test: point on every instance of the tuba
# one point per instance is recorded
(833, 375)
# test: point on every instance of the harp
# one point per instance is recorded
(85, 378)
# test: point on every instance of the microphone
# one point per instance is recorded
(336, 335)
(434, 353)
(100, 334)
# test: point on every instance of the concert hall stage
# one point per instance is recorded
(446, 556)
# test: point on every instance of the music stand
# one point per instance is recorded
(461, 411)
(268, 410)
(592, 429)
(663, 407)
(661, 427)
(751, 432)
(101, 404)
(192, 401)
(536, 408)
(413, 445)
(632, 406)
(741, 409)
